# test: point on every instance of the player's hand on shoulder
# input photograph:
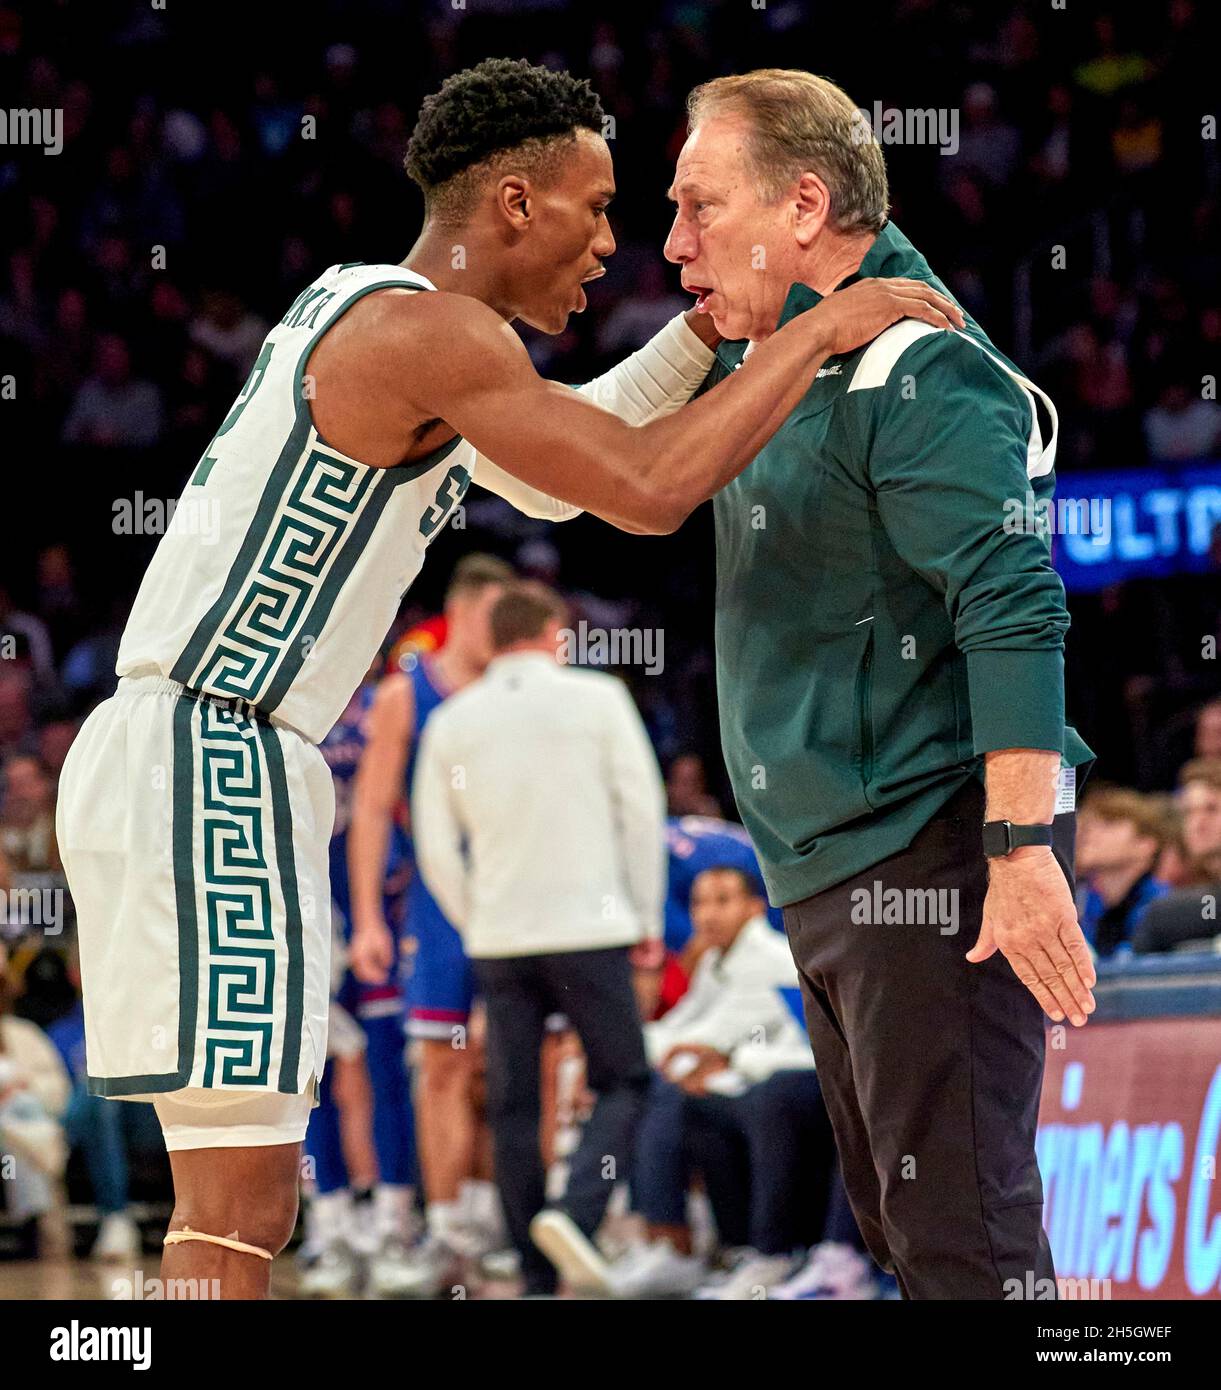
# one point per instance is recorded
(852, 317)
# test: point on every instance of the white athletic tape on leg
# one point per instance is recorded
(229, 1242)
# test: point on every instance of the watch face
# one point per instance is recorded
(996, 838)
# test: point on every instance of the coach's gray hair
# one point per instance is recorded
(799, 123)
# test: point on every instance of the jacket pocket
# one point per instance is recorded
(864, 715)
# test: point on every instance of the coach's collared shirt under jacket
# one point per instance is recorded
(886, 613)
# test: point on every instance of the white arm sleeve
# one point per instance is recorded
(652, 382)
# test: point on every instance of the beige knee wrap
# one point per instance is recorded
(229, 1242)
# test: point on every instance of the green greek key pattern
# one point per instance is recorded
(237, 899)
(302, 537)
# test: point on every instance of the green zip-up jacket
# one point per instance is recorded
(881, 621)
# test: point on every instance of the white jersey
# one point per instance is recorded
(285, 562)
(284, 565)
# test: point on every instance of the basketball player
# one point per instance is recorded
(441, 988)
(361, 1134)
(195, 809)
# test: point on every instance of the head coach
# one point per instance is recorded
(891, 688)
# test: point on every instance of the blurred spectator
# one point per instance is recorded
(112, 408)
(1173, 867)
(17, 732)
(640, 314)
(1200, 806)
(33, 1094)
(1208, 731)
(1188, 917)
(988, 146)
(54, 740)
(59, 604)
(27, 816)
(1119, 840)
(106, 1133)
(229, 331)
(24, 637)
(1181, 425)
(687, 791)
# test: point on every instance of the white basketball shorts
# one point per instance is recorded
(194, 833)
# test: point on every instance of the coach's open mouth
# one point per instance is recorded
(702, 294)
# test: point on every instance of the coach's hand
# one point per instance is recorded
(371, 952)
(1030, 917)
(853, 316)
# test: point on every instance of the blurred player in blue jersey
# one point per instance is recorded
(360, 1137)
(696, 843)
(462, 1205)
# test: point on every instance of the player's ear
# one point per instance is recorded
(812, 208)
(515, 200)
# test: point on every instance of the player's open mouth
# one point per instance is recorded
(582, 301)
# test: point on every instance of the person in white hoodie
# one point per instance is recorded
(538, 813)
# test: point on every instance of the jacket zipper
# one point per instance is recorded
(863, 712)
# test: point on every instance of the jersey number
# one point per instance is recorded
(449, 494)
(253, 382)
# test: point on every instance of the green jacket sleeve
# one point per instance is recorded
(947, 440)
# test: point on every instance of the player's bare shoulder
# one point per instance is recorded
(382, 375)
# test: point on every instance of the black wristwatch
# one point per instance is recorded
(1002, 837)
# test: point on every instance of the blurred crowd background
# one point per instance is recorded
(212, 166)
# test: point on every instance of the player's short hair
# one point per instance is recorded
(479, 115)
(477, 571)
(749, 884)
(799, 123)
(1146, 813)
(1206, 770)
(523, 611)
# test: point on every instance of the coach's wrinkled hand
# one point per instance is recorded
(1030, 917)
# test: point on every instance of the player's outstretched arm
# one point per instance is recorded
(653, 381)
(475, 374)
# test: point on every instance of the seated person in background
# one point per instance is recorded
(693, 844)
(33, 1093)
(1190, 914)
(106, 1134)
(1120, 835)
(732, 1053)
(1174, 865)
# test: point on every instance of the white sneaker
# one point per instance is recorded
(578, 1259)
(118, 1238)
(395, 1272)
(421, 1272)
(333, 1274)
(731, 1258)
(833, 1271)
(750, 1278)
(501, 1265)
(656, 1270)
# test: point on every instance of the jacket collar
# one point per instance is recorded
(890, 255)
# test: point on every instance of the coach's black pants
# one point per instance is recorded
(594, 989)
(931, 1068)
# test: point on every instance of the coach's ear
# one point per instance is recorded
(811, 208)
(515, 199)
